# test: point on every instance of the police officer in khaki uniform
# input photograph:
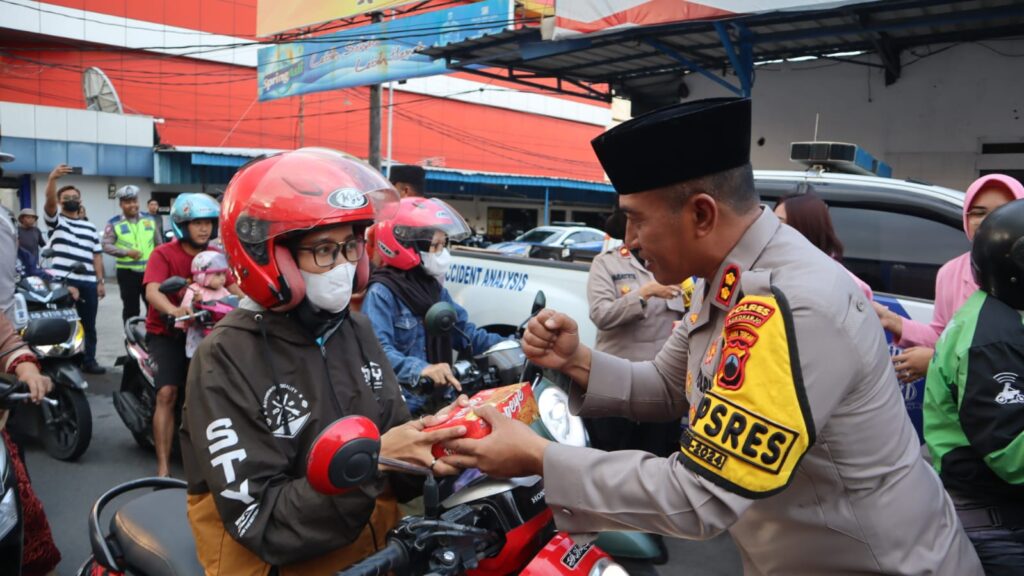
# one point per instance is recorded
(634, 315)
(798, 441)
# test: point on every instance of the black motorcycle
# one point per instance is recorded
(148, 535)
(65, 429)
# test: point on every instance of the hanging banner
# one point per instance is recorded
(273, 16)
(389, 50)
(575, 18)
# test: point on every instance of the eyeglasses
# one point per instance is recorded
(436, 246)
(325, 254)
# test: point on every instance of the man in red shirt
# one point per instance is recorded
(194, 221)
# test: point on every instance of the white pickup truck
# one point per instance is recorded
(896, 233)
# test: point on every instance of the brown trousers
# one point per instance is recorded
(222, 555)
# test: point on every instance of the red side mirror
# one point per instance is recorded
(344, 456)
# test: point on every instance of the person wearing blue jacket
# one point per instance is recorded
(414, 255)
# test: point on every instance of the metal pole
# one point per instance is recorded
(391, 126)
(391, 119)
(375, 117)
(547, 206)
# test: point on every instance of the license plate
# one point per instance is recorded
(63, 313)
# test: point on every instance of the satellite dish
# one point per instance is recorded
(99, 92)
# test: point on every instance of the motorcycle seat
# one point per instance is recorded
(139, 333)
(154, 535)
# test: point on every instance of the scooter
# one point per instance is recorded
(487, 528)
(490, 527)
(135, 401)
(505, 363)
(64, 428)
(13, 395)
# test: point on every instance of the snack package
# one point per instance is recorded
(515, 401)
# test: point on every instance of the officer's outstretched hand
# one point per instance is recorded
(511, 449)
(551, 340)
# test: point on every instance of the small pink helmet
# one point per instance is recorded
(400, 240)
(207, 263)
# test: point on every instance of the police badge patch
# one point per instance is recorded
(750, 430)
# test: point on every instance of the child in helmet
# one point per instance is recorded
(209, 275)
(413, 251)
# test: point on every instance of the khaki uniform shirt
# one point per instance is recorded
(627, 327)
(799, 443)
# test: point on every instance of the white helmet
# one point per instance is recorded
(127, 192)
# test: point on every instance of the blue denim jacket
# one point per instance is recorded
(404, 340)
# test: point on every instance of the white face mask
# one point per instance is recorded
(330, 291)
(436, 264)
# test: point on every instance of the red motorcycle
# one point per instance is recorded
(488, 527)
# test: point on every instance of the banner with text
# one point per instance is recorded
(389, 50)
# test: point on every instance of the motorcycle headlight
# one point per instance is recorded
(565, 428)
(78, 341)
(607, 567)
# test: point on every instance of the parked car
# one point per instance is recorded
(550, 237)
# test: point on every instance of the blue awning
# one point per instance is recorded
(200, 159)
(195, 165)
(514, 187)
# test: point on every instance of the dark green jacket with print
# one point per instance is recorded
(974, 403)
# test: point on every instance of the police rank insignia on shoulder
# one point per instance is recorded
(730, 279)
(752, 428)
(623, 251)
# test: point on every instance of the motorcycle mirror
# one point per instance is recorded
(344, 456)
(440, 318)
(540, 302)
(46, 253)
(173, 285)
(47, 331)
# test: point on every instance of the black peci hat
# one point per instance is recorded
(675, 144)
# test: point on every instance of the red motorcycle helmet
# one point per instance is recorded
(272, 199)
(399, 240)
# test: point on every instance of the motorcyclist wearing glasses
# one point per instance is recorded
(413, 248)
(289, 361)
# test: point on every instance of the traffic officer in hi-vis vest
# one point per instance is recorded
(634, 315)
(131, 238)
(798, 442)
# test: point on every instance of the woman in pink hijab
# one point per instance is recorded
(953, 284)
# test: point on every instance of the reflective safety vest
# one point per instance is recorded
(139, 235)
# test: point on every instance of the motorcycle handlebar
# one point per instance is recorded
(193, 316)
(392, 558)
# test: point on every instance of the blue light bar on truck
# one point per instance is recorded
(838, 157)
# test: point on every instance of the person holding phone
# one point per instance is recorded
(75, 241)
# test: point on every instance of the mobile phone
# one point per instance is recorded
(75, 169)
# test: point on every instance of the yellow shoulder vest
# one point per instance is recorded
(750, 430)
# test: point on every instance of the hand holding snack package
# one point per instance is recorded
(515, 401)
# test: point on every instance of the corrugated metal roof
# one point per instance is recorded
(646, 62)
